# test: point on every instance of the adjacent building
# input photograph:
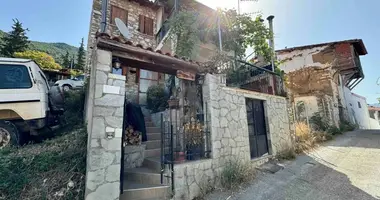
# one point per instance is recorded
(323, 75)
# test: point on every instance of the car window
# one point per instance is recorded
(14, 77)
(80, 77)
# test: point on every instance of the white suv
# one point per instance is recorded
(74, 83)
(25, 100)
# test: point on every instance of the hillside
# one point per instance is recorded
(57, 50)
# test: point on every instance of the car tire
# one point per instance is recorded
(9, 135)
(66, 88)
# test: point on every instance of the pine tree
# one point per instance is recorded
(66, 60)
(15, 41)
(81, 57)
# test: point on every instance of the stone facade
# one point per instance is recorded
(105, 121)
(229, 135)
(134, 9)
(134, 156)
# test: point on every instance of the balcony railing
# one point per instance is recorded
(250, 77)
(165, 27)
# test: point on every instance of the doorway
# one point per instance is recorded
(258, 139)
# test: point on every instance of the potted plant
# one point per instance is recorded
(194, 140)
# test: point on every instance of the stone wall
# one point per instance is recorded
(134, 10)
(229, 135)
(134, 155)
(105, 121)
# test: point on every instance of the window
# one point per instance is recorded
(359, 105)
(146, 25)
(120, 13)
(14, 77)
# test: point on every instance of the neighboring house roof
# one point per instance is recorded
(358, 44)
(148, 3)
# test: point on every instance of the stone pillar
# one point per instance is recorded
(105, 132)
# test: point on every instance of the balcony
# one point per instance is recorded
(249, 77)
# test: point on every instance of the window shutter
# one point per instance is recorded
(141, 24)
(148, 26)
(120, 13)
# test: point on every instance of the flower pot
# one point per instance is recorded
(194, 152)
(179, 157)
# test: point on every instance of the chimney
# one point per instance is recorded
(271, 40)
(103, 24)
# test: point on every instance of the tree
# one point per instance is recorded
(15, 41)
(66, 60)
(44, 60)
(81, 57)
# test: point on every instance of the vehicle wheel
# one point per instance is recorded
(8, 134)
(66, 88)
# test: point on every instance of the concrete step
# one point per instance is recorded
(153, 163)
(149, 124)
(143, 175)
(136, 191)
(152, 153)
(153, 144)
(153, 130)
(154, 136)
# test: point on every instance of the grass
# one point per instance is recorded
(236, 173)
(53, 169)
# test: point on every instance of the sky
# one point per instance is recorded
(296, 23)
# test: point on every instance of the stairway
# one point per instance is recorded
(144, 183)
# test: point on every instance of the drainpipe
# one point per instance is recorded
(103, 24)
(271, 40)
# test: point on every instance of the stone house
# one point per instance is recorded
(322, 76)
(190, 143)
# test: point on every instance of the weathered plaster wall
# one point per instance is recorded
(105, 133)
(299, 59)
(229, 135)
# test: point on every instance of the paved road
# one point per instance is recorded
(346, 168)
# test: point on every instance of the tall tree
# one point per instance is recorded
(81, 57)
(66, 60)
(15, 41)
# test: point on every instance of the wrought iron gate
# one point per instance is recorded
(258, 139)
(185, 134)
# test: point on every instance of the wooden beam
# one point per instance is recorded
(145, 56)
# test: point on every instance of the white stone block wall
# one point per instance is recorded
(105, 133)
(229, 135)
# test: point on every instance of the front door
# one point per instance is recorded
(258, 140)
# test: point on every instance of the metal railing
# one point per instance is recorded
(247, 76)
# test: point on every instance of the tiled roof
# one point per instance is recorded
(121, 39)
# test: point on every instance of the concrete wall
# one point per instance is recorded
(229, 135)
(105, 121)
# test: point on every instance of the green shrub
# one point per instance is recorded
(287, 154)
(236, 173)
(333, 130)
(74, 107)
(345, 126)
(157, 100)
(319, 123)
(40, 171)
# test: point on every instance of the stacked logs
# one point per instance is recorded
(132, 137)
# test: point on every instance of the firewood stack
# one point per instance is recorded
(132, 137)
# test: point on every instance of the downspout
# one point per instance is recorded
(271, 40)
(103, 24)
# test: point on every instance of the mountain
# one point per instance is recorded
(57, 50)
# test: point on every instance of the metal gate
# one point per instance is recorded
(258, 139)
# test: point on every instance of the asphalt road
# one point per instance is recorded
(346, 168)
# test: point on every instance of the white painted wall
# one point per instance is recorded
(358, 115)
(298, 59)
